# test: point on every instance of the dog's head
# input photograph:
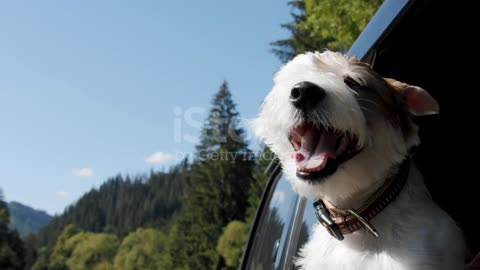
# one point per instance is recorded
(337, 126)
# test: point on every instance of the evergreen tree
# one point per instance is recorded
(218, 188)
(324, 24)
(12, 251)
(299, 41)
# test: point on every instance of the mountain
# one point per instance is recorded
(25, 219)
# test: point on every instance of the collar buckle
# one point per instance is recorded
(364, 222)
(324, 217)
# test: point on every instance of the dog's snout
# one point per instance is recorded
(306, 94)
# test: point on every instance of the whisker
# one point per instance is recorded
(355, 92)
(364, 108)
(367, 100)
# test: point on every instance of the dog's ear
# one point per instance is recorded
(418, 100)
(354, 59)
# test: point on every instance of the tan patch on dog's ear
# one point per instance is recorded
(353, 60)
(418, 100)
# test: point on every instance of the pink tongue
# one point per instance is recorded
(315, 149)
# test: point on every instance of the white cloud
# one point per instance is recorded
(83, 172)
(159, 158)
(62, 194)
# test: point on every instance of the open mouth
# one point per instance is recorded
(320, 150)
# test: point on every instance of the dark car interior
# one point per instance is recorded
(429, 47)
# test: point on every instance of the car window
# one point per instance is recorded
(269, 246)
(308, 220)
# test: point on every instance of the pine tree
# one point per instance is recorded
(324, 24)
(218, 189)
(12, 251)
(300, 41)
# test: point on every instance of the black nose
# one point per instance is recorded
(305, 95)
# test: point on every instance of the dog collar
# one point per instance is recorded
(339, 222)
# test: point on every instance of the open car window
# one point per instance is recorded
(305, 226)
(269, 247)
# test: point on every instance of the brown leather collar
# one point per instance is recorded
(339, 222)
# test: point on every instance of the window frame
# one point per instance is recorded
(275, 175)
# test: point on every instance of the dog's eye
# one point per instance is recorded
(351, 83)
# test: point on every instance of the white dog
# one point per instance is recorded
(343, 135)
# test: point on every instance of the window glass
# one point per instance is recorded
(309, 219)
(268, 250)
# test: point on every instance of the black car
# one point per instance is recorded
(423, 43)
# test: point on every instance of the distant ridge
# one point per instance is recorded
(25, 219)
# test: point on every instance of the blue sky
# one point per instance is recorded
(90, 89)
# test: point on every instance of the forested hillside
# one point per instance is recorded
(25, 219)
(120, 206)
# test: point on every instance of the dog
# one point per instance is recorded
(344, 135)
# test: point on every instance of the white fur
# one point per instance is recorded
(414, 232)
